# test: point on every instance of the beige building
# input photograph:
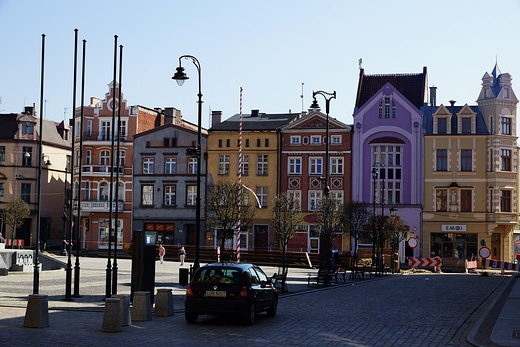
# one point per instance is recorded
(470, 168)
(19, 166)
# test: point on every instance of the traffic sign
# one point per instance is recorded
(484, 252)
(413, 242)
(424, 261)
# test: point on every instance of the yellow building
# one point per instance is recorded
(470, 166)
(260, 166)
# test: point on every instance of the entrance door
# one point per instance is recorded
(495, 246)
(261, 237)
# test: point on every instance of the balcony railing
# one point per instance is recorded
(102, 136)
(102, 169)
(93, 206)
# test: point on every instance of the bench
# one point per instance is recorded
(322, 277)
(280, 282)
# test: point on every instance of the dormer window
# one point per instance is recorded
(27, 128)
(466, 125)
(387, 107)
(442, 125)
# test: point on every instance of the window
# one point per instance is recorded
(147, 194)
(26, 156)
(442, 160)
(466, 125)
(454, 246)
(122, 155)
(505, 201)
(315, 166)
(105, 130)
(505, 162)
(27, 128)
(192, 165)
(335, 139)
(247, 142)
(441, 200)
(228, 142)
(338, 196)
(295, 166)
(220, 143)
(261, 193)
(336, 166)
(297, 196)
(89, 127)
(223, 164)
(266, 143)
(26, 192)
(87, 191)
(296, 140)
(261, 164)
(191, 195)
(466, 160)
(88, 157)
(103, 191)
(506, 125)
(122, 129)
(148, 165)
(387, 107)
(169, 195)
(2, 155)
(104, 158)
(258, 143)
(465, 200)
(170, 165)
(442, 125)
(314, 200)
(245, 164)
(1, 192)
(315, 140)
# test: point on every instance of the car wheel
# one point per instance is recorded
(250, 316)
(271, 312)
(191, 317)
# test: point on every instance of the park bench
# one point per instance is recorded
(323, 277)
(280, 282)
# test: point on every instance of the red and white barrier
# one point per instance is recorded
(498, 264)
(20, 243)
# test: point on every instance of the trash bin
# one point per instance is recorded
(183, 277)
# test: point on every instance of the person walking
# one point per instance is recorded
(182, 255)
(162, 252)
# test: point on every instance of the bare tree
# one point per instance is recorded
(15, 213)
(286, 217)
(397, 231)
(223, 212)
(329, 217)
(354, 217)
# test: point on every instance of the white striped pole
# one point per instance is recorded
(239, 178)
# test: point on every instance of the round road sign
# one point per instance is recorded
(484, 252)
(413, 242)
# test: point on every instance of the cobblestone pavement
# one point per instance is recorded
(394, 310)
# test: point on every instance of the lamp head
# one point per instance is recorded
(374, 173)
(315, 106)
(180, 76)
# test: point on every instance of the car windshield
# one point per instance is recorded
(218, 275)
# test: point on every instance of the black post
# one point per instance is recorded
(80, 159)
(111, 196)
(374, 232)
(114, 267)
(68, 270)
(36, 279)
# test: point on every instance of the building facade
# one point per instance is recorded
(304, 166)
(388, 139)
(19, 166)
(260, 166)
(165, 183)
(471, 175)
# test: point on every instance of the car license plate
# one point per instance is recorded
(215, 293)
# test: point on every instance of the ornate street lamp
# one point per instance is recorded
(374, 233)
(180, 76)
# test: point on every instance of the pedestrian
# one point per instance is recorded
(162, 252)
(2, 240)
(182, 255)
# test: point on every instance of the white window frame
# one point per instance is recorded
(315, 197)
(170, 165)
(296, 140)
(223, 164)
(262, 194)
(314, 163)
(315, 140)
(147, 195)
(294, 166)
(170, 193)
(104, 157)
(336, 166)
(297, 195)
(191, 195)
(192, 166)
(335, 139)
(262, 162)
(148, 165)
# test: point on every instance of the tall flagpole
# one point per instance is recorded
(239, 178)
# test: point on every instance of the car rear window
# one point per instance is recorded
(218, 275)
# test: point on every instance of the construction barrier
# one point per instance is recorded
(471, 265)
(20, 243)
(498, 264)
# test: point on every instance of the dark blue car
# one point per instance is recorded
(230, 288)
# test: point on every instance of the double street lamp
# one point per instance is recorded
(180, 76)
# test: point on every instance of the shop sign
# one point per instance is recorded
(453, 228)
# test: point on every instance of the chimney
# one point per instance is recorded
(168, 115)
(254, 113)
(433, 96)
(452, 103)
(216, 117)
(29, 110)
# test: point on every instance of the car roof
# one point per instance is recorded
(243, 266)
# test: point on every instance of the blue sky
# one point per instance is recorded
(267, 47)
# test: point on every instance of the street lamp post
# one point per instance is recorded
(374, 233)
(325, 246)
(180, 76)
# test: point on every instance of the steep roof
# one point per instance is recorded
(412, 86)
(259, 122)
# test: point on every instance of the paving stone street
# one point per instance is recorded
(394, 310)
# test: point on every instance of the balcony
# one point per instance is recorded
(101, 169)
(102, 136)
(99, 206)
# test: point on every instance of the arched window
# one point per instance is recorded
(103, 191)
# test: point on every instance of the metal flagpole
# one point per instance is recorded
(239, 178)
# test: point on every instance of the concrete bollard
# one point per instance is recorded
(141, 307)
(163, 303)
(37, 312)
(112, 316)
(124, 304)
